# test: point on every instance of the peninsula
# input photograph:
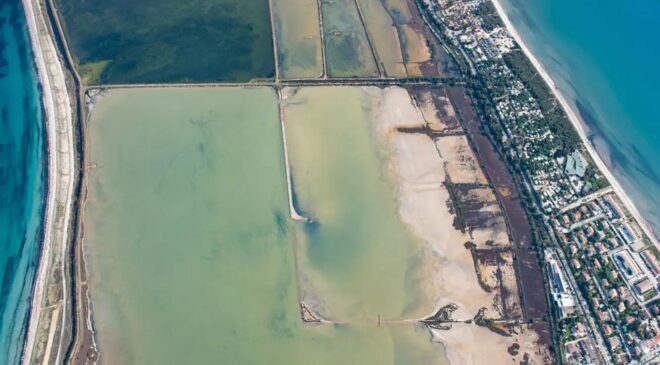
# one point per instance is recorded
(51, 298)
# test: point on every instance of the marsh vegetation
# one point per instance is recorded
(155, 41)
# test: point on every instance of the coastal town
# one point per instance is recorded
(600, 263)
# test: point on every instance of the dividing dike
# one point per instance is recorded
(372, 47)
(274, 36)
(292, 208)
(324, 62)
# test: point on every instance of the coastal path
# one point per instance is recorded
(348, 81)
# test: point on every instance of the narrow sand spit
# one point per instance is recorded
(450, 277)
(577, 123)
(281, 97)
(50, 292)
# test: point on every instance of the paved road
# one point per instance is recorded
(352, 81)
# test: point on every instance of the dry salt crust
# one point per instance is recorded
(414, 162)
(462, 164)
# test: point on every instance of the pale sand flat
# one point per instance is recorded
(450, 277)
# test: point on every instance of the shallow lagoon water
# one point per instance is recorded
(380, 27)
(298, 38)
(189, 240)
(357, 249)
(347, 47)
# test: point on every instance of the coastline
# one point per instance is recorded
(22, 224)
(55, 183)
(44, 255)
(577, 123)
(60, 179)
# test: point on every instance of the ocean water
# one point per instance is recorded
(22, 178)
(604, 56)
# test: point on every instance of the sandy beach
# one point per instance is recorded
(577, 123)
(48, 307)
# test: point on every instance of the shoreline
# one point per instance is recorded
(44, 254)
(578, 124)
(34, 217)
(59, 142)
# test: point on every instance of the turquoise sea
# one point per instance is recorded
(22, 178)
(604, 55)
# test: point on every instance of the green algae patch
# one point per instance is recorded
(298, 38)
(158, 41)
(91, 72)
(190, 245)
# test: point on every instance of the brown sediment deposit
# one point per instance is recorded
(544, 333)
(422, 53)
(496, 273)
(512, 307)
(419, 170)
(442, 318)
(426, 129)
(432, 116)
(470, 269)
(436, 107)
(494, 167)
(422, 60)
(529, 270)
(537, 347)
(480, 211)
(416, 51)
(462, 164)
